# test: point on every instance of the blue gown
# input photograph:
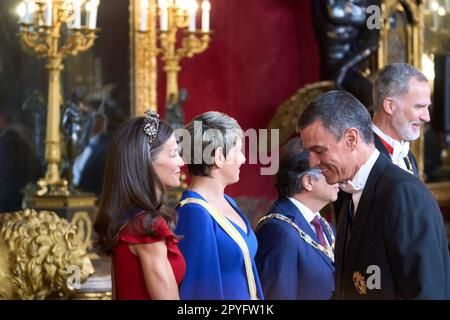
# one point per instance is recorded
(214, 262)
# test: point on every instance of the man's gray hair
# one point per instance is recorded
(338, 110)
(212, 130)
(393, 81)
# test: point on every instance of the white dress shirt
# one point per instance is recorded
(357, 184)
(400, 149)
(308, 215)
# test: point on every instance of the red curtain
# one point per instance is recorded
(261, 52)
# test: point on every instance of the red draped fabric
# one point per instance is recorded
(261, 52)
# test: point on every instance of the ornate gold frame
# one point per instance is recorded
(143, 64)
(415, 30)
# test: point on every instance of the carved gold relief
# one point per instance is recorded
(39, 253)
(143, 61)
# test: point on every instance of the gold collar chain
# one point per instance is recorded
(325, 249)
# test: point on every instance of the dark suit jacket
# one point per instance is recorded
(18, 166)
(288, 267)
(398, 227)
(92, 174)
(380, 146)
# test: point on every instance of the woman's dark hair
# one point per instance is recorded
(131, 185)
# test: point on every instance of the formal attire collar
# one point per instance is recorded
(359, 180)
(357, 184)
(398, 150)
(305, 211)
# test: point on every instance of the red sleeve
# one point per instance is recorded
(130, 233)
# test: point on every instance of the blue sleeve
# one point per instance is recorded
(199, 248)
(276, 262)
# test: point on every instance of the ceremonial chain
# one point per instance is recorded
(325, 249)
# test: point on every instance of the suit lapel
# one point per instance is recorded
(380, 146)
(413, 164)
(341, 237)
(363, 211)
(287, 208)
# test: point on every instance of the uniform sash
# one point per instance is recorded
(235, 235)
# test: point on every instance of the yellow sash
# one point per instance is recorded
(235, 235)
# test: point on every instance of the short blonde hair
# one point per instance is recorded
(214, 130)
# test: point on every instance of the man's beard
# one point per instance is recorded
(408, 133)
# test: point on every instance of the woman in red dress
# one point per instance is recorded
(133, 225)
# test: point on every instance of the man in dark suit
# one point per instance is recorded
(391, 241)
(401, 101)
(89, 165)
(18, 165)
(295, 257)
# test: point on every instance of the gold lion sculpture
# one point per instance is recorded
(41, 256)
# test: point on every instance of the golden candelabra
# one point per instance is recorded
(52, 29)
(158, 25)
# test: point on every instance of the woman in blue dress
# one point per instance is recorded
(218, 243)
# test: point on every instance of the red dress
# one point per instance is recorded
(129, 277)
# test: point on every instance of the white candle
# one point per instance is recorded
(435, 20)
(164, 22)
(77, 14)
(206, 7)
(144, 13)
(31, 8)
(434, 5)
(192, 9)
(49, 13)
(91, 8)
(22, 11)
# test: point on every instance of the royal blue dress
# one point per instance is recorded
(214, 262)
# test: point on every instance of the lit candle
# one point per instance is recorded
(181, 5)
(435, 20)
(22, 11)
(434, 6)
(49, 13)
(192, 9)
(206, 7)
(144, 13)
(164, 22)
(91, 8)
(31, 8)
(77, 13)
